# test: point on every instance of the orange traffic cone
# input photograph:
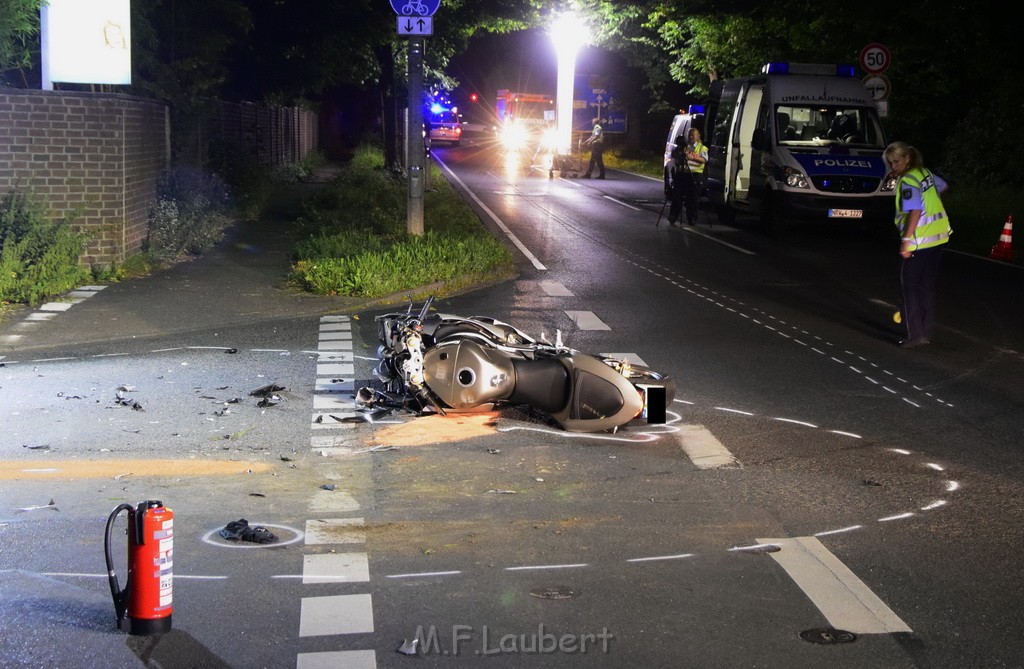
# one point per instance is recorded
(1003, 250)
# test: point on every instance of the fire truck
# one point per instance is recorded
(523, 118)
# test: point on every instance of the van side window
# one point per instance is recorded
(723, 119)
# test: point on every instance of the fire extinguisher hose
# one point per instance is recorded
(120, 596)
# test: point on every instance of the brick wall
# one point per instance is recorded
(94, 154)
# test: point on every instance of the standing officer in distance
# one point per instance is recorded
(596, 144)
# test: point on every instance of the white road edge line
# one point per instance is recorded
(835, 590)
(627, 206)
(694, 231)
(494, 217)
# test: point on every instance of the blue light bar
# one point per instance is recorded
(809, 68)
(696, 109)
(436, 108)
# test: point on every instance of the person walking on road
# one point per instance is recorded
(924, 230)
(596, 144)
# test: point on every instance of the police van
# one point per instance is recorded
(681, 124)
(798, 141)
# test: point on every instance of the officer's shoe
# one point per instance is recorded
(912, 343)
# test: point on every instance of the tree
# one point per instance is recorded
(19, 24)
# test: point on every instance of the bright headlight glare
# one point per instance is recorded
(889, 184)
(513, 136)
(549, 139)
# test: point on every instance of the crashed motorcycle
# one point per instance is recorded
(441, 363)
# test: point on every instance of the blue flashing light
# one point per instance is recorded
(436, 108)
(696, 109)
(844, 71)
(775, 68)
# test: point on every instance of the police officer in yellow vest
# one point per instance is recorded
(686, 177)
(924, 229)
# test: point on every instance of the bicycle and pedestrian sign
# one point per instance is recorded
(415, 7)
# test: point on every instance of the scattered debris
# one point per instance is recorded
(234, 400)
(223, 388)
(285, 458)
(328, 486)
(268, 401)
(222, 412)
(408, 647)
(340, 420)
(40, 447)
(494, 451)
(318, 419)
(503, 492)
(126, 388)
(52, 506)
(267, 390)
(231, 350)
(239, 530)
(121, 400)
(538, 479)
(871, 482)
(256, 494)
(121, 476)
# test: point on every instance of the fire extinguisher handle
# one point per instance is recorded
(120, 596)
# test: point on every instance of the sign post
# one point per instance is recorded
(876, 59)
(414, 21)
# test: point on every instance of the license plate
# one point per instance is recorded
(846, 213)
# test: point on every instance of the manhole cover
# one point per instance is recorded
(558, 592)
(828, 635)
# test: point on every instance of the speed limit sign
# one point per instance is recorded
(875, 58)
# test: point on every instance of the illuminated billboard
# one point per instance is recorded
(87, 41)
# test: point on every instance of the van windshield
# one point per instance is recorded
(819, 126)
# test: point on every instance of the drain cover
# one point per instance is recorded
(827, 636)
(554, 593)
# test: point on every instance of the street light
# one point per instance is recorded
(568, 34)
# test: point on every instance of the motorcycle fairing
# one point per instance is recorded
(601, 399)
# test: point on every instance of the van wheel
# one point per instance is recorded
(726, 215)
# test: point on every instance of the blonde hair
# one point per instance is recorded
(904, 150)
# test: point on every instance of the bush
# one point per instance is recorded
(38, 257)
(189, 215)
(358, 244)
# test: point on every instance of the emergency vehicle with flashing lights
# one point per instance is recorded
(444, 125)
(524, 119)
(797, 141)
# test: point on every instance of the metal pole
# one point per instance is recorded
(415, 157)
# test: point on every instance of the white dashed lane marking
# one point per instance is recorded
(703, 449)
(349, 659)
(555, 289)
(587, 320)
(336, 614)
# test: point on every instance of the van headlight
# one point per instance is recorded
(514, 136)
(794, 178)
(889, 183)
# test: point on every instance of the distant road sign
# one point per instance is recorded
(415, 26)
(415, 7)
(879, 86)
(875, 58)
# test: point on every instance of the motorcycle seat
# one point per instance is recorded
(543, 384)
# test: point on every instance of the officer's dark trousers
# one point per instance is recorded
(596, 159)
(918, 276)
(686, 190)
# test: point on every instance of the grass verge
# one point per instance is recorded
(358, 246)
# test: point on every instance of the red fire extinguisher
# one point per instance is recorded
(144, 606)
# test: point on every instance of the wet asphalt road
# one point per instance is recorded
(902, 466)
